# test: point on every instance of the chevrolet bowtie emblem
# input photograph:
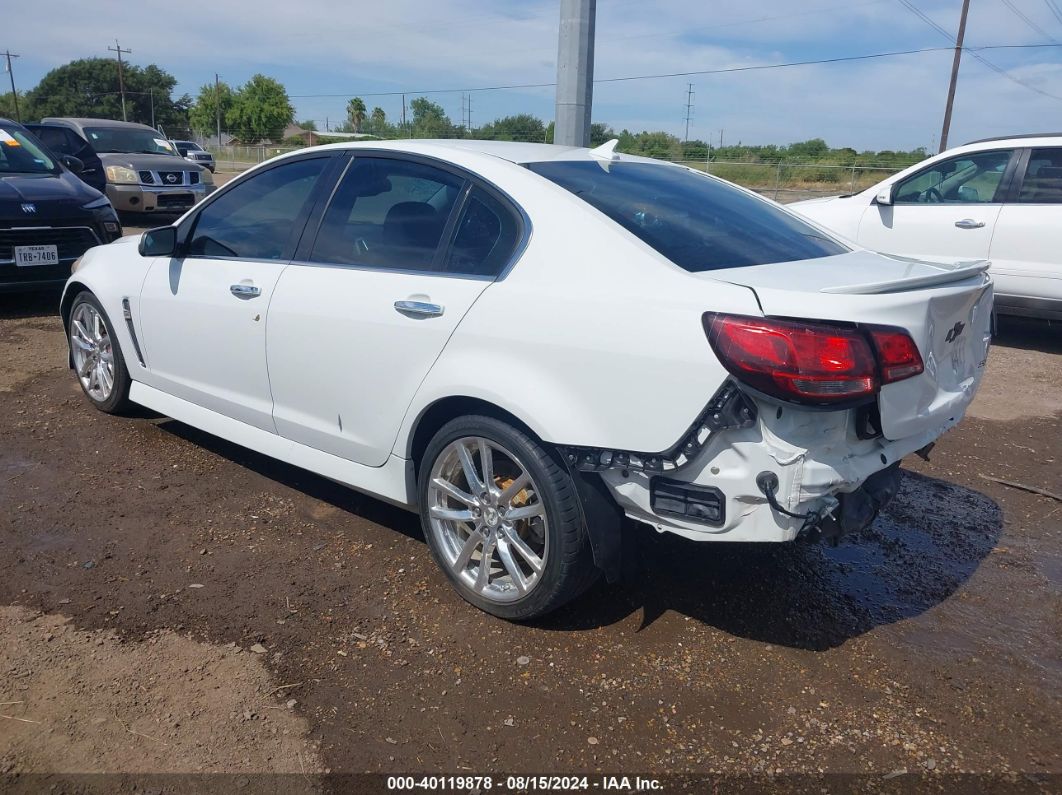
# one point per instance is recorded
(954, 332)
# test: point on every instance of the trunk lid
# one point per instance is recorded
(946, 308)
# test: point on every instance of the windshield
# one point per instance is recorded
(128, 139)
(697, 222)
(189, 145)
(21, 154)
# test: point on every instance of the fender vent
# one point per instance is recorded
(128, 315)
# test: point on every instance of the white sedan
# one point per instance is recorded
(527, 342)
(998, 199)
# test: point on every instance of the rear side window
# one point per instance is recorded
(1043, 178)
(261, 218)
(486, 237)
(387, 213)
(697, 222)
(57, 140)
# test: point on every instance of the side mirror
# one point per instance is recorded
(161, 242)
(884, 196)
(72, 163)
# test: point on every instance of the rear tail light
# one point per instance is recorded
(810, 362)
(898, 355)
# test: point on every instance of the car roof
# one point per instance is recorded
(90, 122)
(1015, 137)
(513, 151)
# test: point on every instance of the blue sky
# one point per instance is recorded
(319, 47)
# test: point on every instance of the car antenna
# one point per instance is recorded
(607, 150)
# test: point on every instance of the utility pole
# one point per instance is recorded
(689, 113)
(151, 93)
(404, 116)
(954, 75)
(470, 113)
(217, 104)
(11, 74)
(575, 72)
(121, 78)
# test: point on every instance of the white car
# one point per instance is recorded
(526, 342)
(999, 199)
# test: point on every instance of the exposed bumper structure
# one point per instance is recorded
(816, 456)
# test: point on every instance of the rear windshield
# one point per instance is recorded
(22, 154)
(699, 223)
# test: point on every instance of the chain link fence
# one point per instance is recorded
(787, 182)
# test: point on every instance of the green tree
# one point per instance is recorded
(203, 116)
(378, 122)
(521, 127)
(260, 111)
(356, 113)
(89, 87)
(308, 124)
(7, 106)
(430, 120)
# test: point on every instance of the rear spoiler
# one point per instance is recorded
(949, 272)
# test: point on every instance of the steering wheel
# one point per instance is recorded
(933, 196)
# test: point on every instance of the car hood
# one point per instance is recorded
(139, 162)
(51, 194)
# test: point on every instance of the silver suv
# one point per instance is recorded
(190, 150)
(144, 172)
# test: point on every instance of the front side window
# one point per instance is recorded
(1043, 178)
(20, 154)
(261, 217)
(387, 213)
(697, 222)
(967, 179)
(128, 139)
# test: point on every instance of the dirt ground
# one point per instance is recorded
(170, 602)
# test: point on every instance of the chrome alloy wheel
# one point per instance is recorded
(90, 343)
(488, 518)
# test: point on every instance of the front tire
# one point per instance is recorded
(502, 518)
(97, 356)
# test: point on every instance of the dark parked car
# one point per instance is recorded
(48, 216)
(62, 141)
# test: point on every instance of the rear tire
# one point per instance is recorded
(97, 356)
(521, 515)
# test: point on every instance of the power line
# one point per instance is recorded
(1054, 9)
(729, 70)
(975, 54)
(1021, 15)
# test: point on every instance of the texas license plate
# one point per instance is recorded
(27, 256)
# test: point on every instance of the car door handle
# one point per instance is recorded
(245, 290)
(418, 308)
(969, 223)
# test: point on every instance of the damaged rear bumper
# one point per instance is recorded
(822, 468)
